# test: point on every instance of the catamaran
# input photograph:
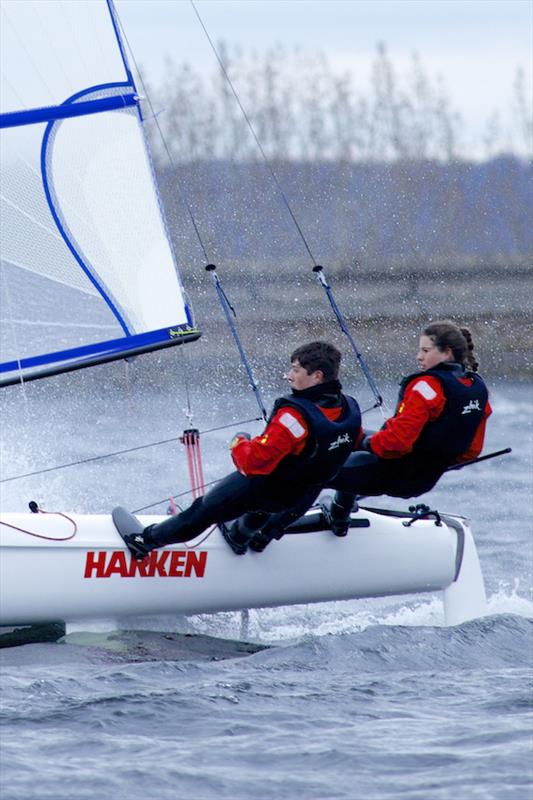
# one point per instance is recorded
(83, 227)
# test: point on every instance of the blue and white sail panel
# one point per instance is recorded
(88, 274)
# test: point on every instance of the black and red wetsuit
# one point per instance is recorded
(440, 420)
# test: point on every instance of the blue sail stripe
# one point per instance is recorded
(70, 103)
(118, 347)
(32, 116)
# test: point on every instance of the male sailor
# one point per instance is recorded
(280, 473)
(439, 421)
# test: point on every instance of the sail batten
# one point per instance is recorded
(15, 119)
(23, 370)
(84, 234)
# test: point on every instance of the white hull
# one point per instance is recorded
(92, 576)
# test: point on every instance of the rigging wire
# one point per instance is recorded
(227, 308)
(123, 452)
(252, 131)
(360, 360)
(174, 497)
(316, 268)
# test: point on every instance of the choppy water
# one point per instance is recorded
(364, 700)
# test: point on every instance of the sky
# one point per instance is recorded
(475, 46)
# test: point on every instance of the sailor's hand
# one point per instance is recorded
(364, 444)
(239, 437)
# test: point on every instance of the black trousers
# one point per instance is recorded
(253, 499)
(366, 474)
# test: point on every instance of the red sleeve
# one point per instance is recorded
(284, 435)
(423, 402)
(477, 442)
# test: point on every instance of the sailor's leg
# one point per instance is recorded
(366, 474)
(268, 498)
(275, 524)
(362, 474)
(227, 500)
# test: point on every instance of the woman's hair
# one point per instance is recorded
(319, 355)
(445, 334)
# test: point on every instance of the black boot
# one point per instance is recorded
(237, 539)
(136, 537)
(337, 511)
(261, 540)
(140, 544)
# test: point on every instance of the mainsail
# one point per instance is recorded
(88, 273)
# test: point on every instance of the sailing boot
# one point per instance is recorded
(261, 540)
(337, 511)
(180, 528)
(235, 537)
(241, 531)
(136, 537)
(139, 544)
(276, 524)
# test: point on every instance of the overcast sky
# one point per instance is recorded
(476, 46)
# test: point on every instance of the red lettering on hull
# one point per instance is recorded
(159, 563)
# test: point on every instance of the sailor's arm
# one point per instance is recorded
(423, 402)
(284, 435)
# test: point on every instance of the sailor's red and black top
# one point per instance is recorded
(441, 413)
(307, 438)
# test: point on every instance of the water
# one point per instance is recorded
(364, 700)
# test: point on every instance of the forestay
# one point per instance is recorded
(88, 274)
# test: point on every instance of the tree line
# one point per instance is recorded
(302, 111)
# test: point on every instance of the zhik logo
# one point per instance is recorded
(473, 405)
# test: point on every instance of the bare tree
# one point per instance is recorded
(301, 110)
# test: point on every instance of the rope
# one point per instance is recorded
(41, 535)
(174, 497)
(191, 441)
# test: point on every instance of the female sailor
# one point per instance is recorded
(439, 421)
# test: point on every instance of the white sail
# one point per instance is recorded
(88, 273)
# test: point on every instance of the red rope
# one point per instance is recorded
(191, 441)
(199, 468)
(41, 535)
(187, 546)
